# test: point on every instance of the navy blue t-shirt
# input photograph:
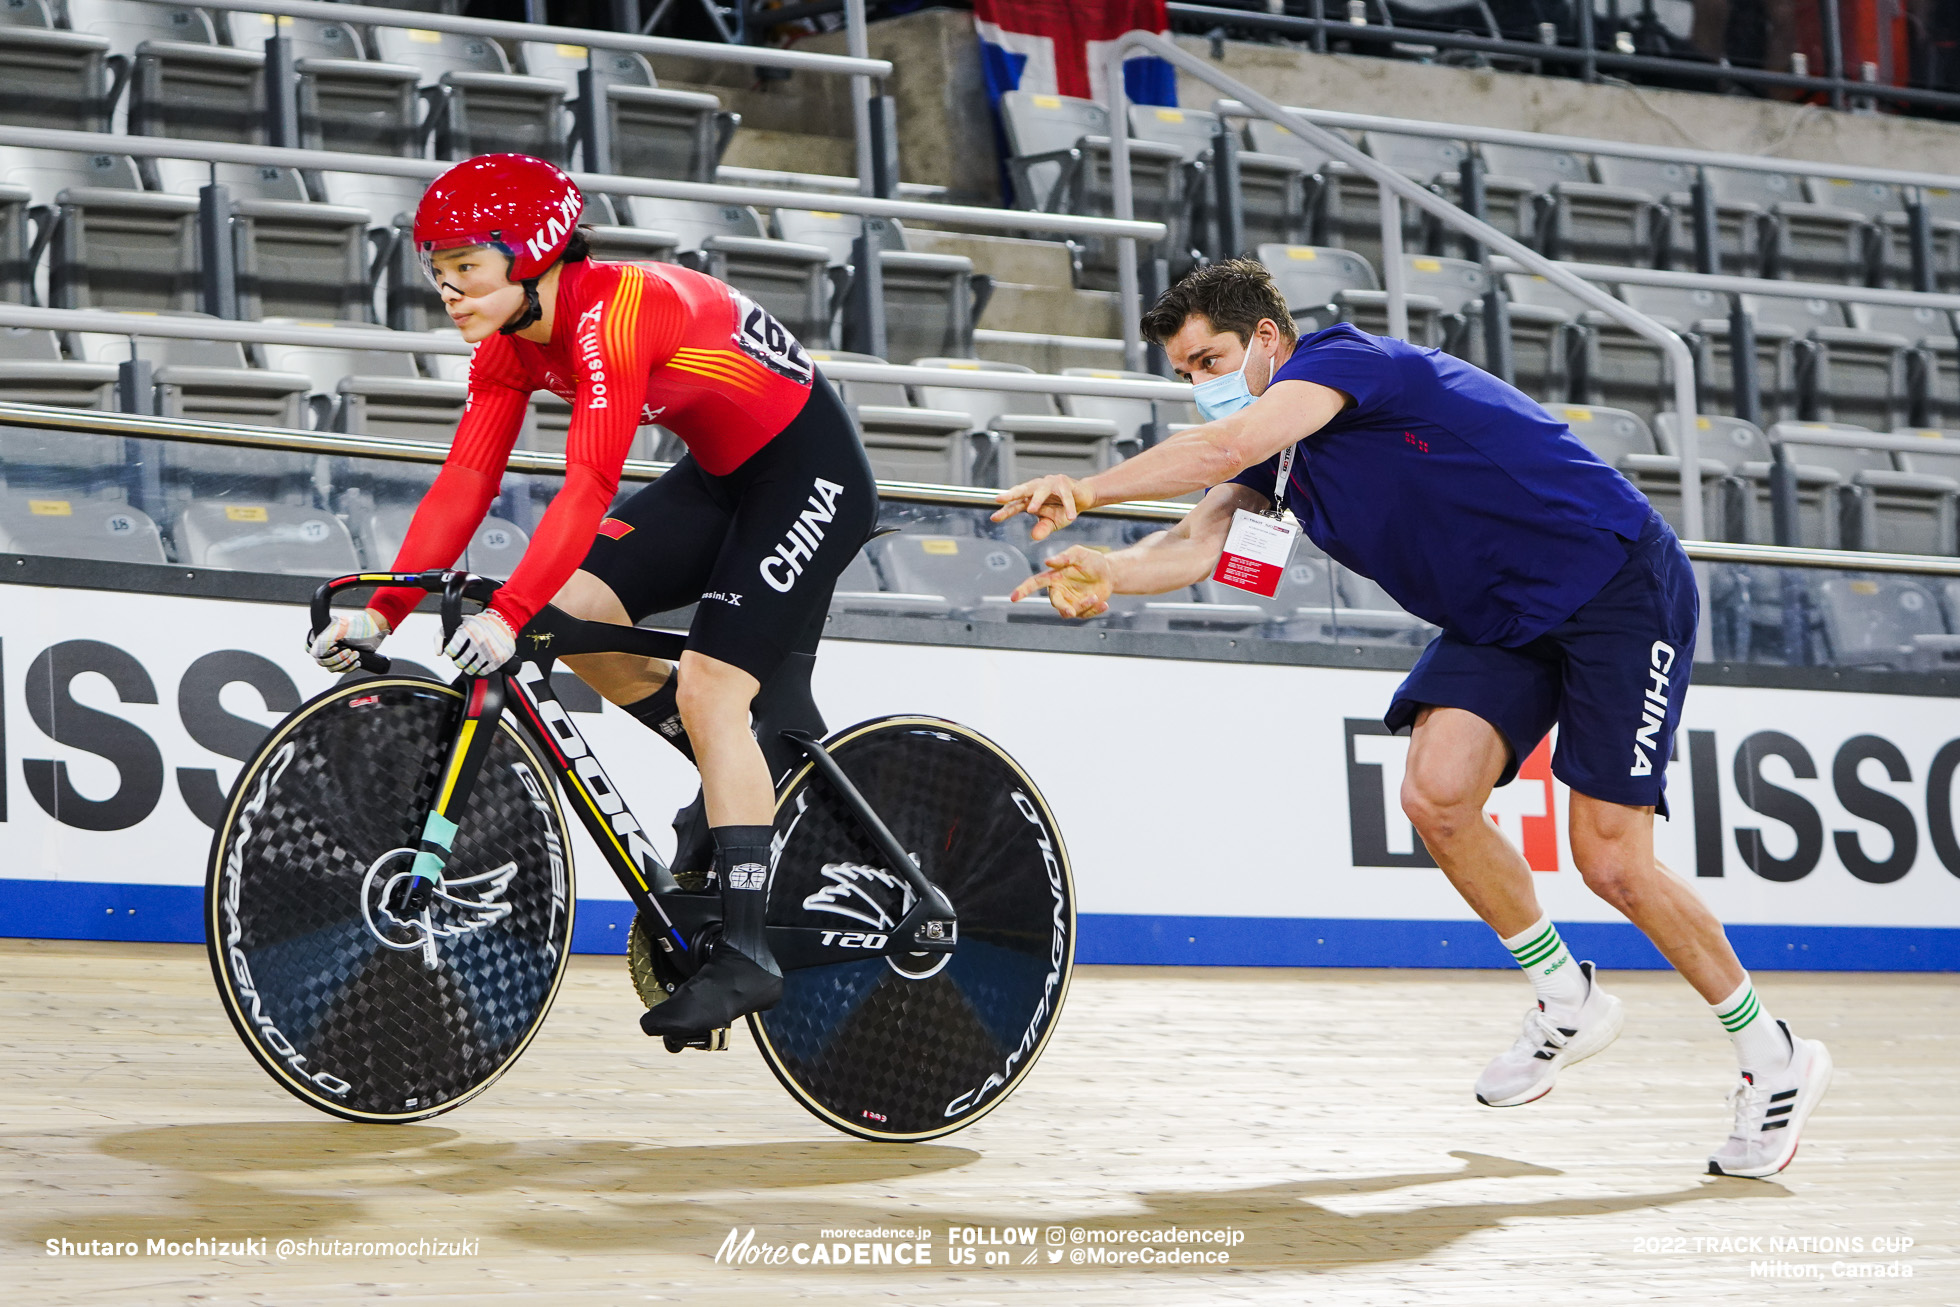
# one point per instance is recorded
(1472, 506)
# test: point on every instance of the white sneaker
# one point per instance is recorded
(1530, 1067)
(1770, 1111)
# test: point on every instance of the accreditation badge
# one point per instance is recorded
(1256, 551)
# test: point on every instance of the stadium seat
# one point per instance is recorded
(476, 104)
(1939, 454)
(295, 258)
(371, 392)
(60, 527)
(347, 101)
(1884, 509)
(1310, 278)
(1802, 240)
(1028, 434)
(1623, 441)
(1750, 516)
(52, 79)
(1344, 206)
(1433, 320)
(1520, 184)
(1875, 621)
(1714, 366)
(655, 131)
(495, 548)
(1740, 214)
(1614, 368)
(788, 278)
(1135, 419)
(904, 442)
(1836, 373)
(962, 571)
(264, 537)
(858, 591)
(930, 299)
(33, 371)
(1272, 187)
(1058, 159)
(209, 380)
(1932, 366)
(1544, 324)
(1593, 221)
(124, 250)
(1427, 160)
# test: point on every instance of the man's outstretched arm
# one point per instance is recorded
(1079, 581)
(1197, 459)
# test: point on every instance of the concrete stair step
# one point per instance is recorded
(1004, 258)
(1052, 310)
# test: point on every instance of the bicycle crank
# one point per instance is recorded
(708, 1041)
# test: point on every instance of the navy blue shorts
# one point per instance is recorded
(1612, 676)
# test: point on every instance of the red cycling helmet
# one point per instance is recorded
(523, 206)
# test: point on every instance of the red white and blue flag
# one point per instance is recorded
(1057, 47)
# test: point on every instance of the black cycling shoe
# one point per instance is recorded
(729, 984)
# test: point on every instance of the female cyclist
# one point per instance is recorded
(772, 499)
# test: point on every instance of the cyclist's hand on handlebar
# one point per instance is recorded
(1079, 582)
(482, 644)
(1054, 499)
(338, 648)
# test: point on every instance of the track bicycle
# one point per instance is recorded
(390, 898)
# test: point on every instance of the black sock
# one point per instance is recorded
(660, 712)
(742, 853)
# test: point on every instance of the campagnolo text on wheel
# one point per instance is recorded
(390, 898)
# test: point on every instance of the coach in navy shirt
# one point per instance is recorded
(1562, 597)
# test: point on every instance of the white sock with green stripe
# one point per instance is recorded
(1759, 1042)
(1555, 977)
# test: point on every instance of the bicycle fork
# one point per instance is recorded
(482, 707)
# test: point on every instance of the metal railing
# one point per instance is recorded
(1703, 227)
(178, 147)
(1746, 375)
(425, 20)
(1768, 286)
(1364, 122)
(901, 492)
(108, 323)
(1395, 188)
(1585, 57)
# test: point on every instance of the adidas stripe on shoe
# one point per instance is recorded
(1771, 1109)
(1529, 1068)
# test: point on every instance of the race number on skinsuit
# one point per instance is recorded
(1256, 552)
(768, 342)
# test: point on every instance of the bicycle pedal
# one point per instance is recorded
(708, 1041)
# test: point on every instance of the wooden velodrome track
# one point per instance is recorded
(1326, 1114)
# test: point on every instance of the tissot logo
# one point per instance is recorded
(1763, 804)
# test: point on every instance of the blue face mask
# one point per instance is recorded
(1227, 394)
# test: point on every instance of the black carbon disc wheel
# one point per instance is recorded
(354, 1011)
(917, 1046)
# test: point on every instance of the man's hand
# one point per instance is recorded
(1079, 581)
(338, 648)
(483, 643)
(1054, 499)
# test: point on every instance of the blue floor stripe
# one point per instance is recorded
(51, 909)
(1350, 942)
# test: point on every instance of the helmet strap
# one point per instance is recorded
(533, 310)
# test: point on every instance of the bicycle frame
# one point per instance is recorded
(682, 918)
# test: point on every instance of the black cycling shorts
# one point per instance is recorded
(760, 548)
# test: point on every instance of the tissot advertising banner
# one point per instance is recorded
(1215, 813)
